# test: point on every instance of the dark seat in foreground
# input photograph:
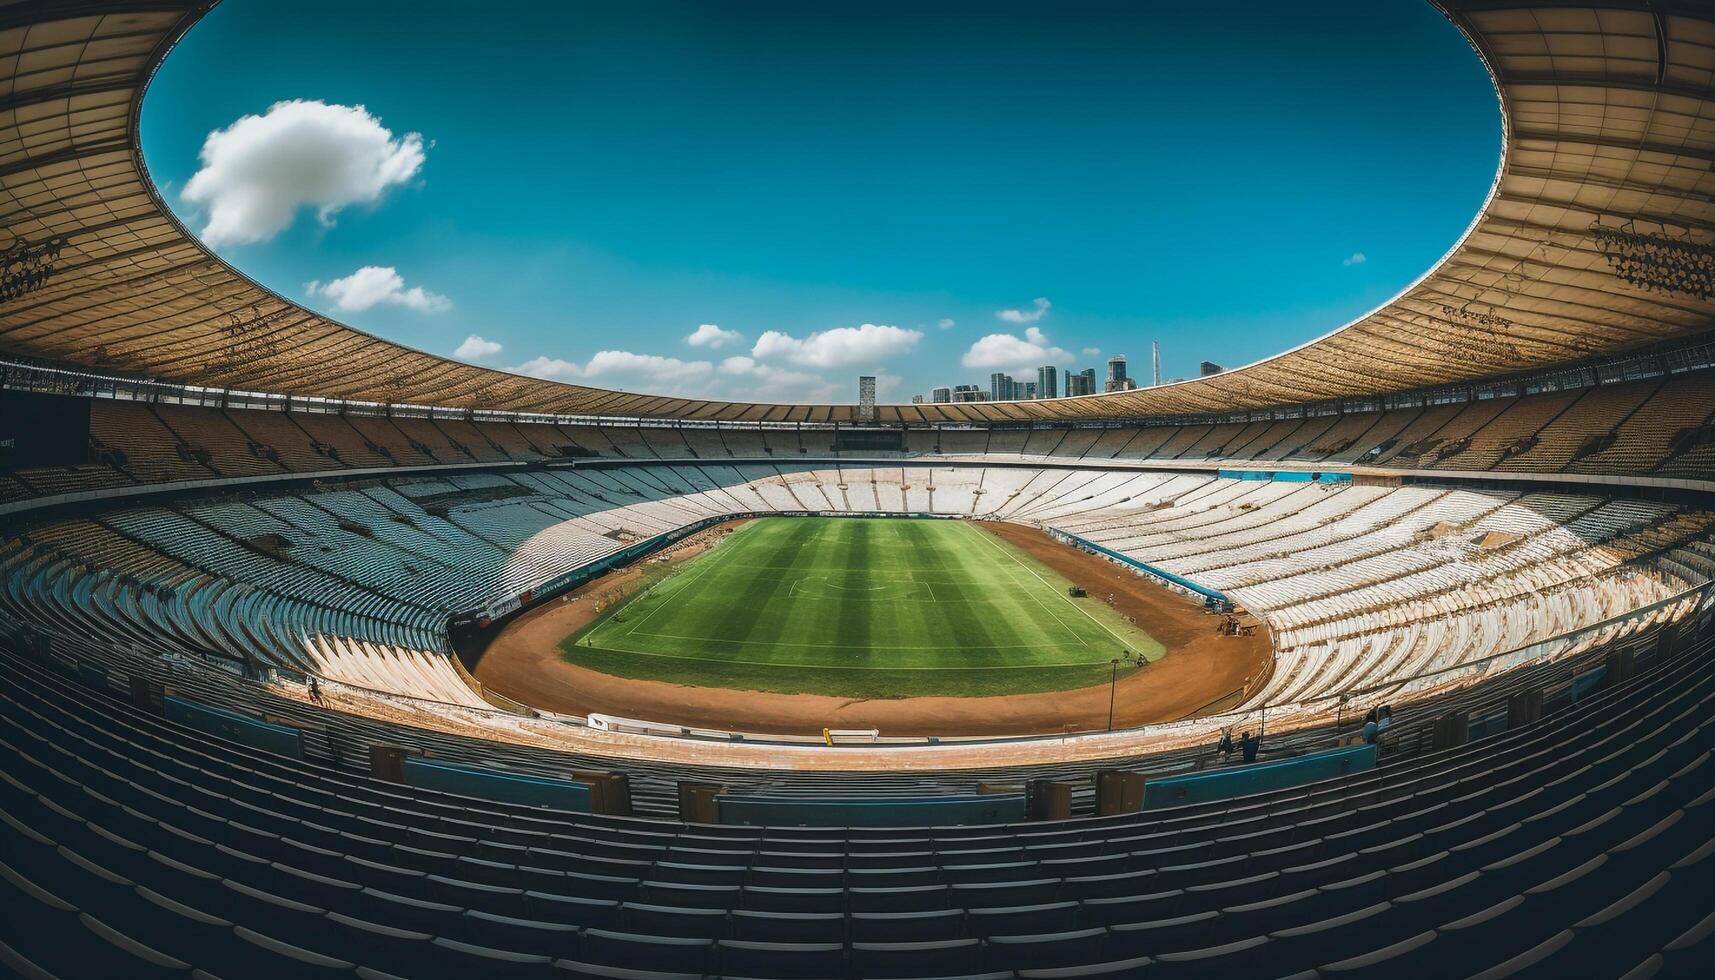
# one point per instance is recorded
(1585, 842)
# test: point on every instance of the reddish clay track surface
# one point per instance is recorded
(1201, 672)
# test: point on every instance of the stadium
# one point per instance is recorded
(323, 656)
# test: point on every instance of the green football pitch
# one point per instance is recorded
(862, 607)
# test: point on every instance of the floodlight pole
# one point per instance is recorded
(1264, 729)
(1113, 686)
(1113, 683)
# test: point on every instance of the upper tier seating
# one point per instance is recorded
(1656, 426)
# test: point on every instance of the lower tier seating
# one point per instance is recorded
(1582, 844)
(1402, 588)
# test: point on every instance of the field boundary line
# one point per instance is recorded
(1044, 606)
(699, 573)
(1049, 609)
(1124, 643)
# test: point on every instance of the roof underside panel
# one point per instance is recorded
(1599, 236)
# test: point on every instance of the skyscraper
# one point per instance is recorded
(1082, 383)
(940, 394)
(1209, 367)
(1002, 388)
(1048, 382)
(866, 398)
(1155, 363)
(1117, 377)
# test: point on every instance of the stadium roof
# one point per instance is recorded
(1597, 237)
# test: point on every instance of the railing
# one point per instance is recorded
(1161, 575)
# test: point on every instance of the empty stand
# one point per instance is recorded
(1581, 843)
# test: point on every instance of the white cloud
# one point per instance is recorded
(1040, 309)
(945, 323)
(710, 335)
(475, 348)
(1014, 354)
(766, 382)
(734, 378)
(374, 285)
(868, 344)
(1092, 351)
(652, 367)
(622, 369)
(1356, 258)
(550, 369)
(257, 172)
(620, 366)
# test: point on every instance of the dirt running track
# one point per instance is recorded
(1196, 676)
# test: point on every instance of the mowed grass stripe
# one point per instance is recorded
(849, 544)
(876, 607)
(842, 557)
(1010, 626)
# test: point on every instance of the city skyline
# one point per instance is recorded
(1003, 386)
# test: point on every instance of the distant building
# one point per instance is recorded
(1048, 382)
(941, 394)
(1002, 388)
(1089, 377)
(866, 398)
(1118, 380)
(969, 393)
(1082, 383)
(916, 399)
(1207, 368)
(1155, 363)
(1029, 392)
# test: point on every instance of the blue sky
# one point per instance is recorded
(927, 191)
